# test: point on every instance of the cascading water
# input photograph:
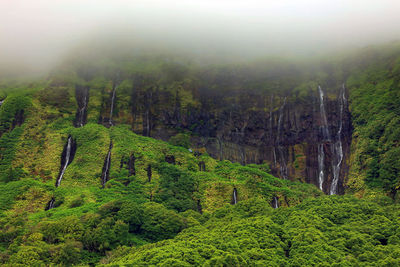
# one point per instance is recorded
(112, 105)
(324, 125)
(50, 204)
(1, 102)
(82, 111)
(338, 149)
(82, 96)
(282, 160)
(66, 162)
(321, 158)
(66, 159)
(326, 137)
(106, 167)
(275, 202)
(234, 196)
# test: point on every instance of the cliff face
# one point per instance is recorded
(291, 134)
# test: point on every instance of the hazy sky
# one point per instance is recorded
(41, 31)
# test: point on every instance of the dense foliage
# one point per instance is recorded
(168, 204)
(328, 231)
(376, 118)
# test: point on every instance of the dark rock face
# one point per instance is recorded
(287, 136)
(82, 99)
(252, 127)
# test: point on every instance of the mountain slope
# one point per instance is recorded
(87, 175)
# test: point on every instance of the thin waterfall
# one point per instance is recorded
(324, 127)
(283, 166)
(67, 161)
(234, 196)
(326, 137)
(282, 160)
(338, 149)
(82, 96)
(81, 113)
(112, 105)
(275, 202)
(50, 204)
(1, 102)
(106, 168)
(321, 158)
(221, 152)
(280, 119)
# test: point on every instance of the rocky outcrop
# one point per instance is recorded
(82, 100)
(285, 131)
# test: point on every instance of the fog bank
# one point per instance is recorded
(34, 35)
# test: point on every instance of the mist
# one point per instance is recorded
(37, 35)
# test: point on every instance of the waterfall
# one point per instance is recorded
(280, 119)
(1, 102)
(221, 152)
(234, 196)
(321, 158)
(283, 166)
(67, 161)
(50, 204)
(338, 149)
(106, 168)
(81, 95)
(326, 137)
(81, 113)
(324, 126)
(282, 160)
(275, 203)
(112, 106)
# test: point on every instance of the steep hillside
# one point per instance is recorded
(159, 160)
(62, 185)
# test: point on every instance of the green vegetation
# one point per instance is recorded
(328, 231)
(166, 204)
(88, 222)
(375, 96)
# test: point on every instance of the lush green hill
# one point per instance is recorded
(327, 231)
(173, 203)
(165, 195)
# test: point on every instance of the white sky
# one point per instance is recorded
(39, 31)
